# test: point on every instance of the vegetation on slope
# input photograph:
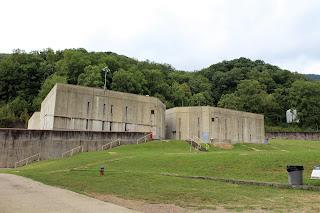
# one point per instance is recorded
(240, 84)
(313, 77)
(128, 174)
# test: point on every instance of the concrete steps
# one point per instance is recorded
(196, 144)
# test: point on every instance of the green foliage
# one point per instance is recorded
(3, 55)
(123, 81)
(305, 98)
(312, 77)
(91, 77)
(45, 89)
(15, 111)
(73, 64)
(248, 97)
(240, 84)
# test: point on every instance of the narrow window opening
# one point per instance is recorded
(179, 121)
(87, 124)
(126, 111)
(102, 125)
(88, 106)
(212, 119)
(152, 112)
(179, 135)
(110, 126)
(198, 134)
(198, 121)
(125, 127)
(104, 108)
(111, 109)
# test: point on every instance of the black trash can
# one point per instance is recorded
(295, 174)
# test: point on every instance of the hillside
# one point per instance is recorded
(313, 77)
(136, 172)
(240, 84)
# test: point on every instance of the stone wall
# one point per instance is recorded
(18, 144)
(310, 136)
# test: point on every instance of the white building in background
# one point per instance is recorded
(291, 116)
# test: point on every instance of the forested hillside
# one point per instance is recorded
(240, 84)
(313, 77)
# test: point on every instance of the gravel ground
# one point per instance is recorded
(19, 194)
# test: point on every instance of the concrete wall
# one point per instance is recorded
(18, 144)
(83, 108)
(47, 110)
(310, 136)
(34, 121)
(214, 124)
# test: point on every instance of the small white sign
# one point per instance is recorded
(315, 173)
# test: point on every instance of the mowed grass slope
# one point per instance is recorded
(128, 174)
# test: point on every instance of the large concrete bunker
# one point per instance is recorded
(71, 107)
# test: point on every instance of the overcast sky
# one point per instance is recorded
(189, 35)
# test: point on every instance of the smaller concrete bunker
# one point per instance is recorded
(213, 124)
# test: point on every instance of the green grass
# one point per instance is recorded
(257, 162)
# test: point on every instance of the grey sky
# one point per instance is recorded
(189, 35)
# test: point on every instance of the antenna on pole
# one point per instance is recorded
(106, 69)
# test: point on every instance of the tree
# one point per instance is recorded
(91, 77)
(45, 89)
(73, 64)
(11, 113)
(123, 81)
(305, 98)
(248, 97)
(199, 84)
(178, 95)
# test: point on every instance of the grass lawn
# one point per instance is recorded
(257, 162)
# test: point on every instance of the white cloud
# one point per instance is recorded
(190, 35)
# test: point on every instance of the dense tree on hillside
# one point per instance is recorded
(45, 89)
(241, 84)
(305, 98)
(312, 77)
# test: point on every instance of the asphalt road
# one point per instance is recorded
(19, 194)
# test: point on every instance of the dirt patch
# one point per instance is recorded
(112, 153)
(192, 153)
(157, 208)
(138, 205)
(223, 146)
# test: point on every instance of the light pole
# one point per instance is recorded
(106, 69)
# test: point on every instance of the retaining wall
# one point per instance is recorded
(18, 144)
(311, 136)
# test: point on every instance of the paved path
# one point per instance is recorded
(19, 194)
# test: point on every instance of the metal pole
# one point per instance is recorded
(105, 77)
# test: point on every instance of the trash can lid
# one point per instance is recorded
(291, 168)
